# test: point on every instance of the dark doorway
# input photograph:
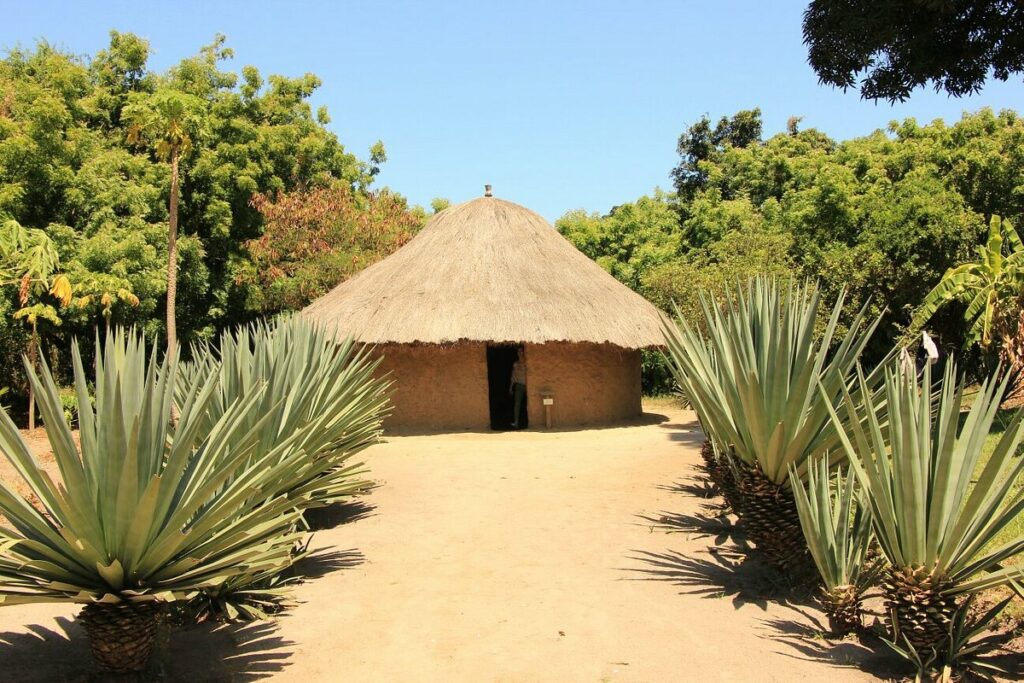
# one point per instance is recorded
(499, 378)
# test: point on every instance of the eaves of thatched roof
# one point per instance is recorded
(488, 270)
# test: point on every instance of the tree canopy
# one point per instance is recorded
(883, 216)
(897, 46)
(84, 157)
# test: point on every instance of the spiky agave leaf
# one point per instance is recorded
(307, 382)
(144, 511)
(753, 379)
(936, 510)
(836, 522)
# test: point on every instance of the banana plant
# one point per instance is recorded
(991, 286)
(29, 259)
(937, 507)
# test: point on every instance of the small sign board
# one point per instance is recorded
(549, 401)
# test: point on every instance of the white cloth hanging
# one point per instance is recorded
(930, 348)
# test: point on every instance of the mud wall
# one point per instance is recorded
(444, 388)
(437, 388)
(590, 383)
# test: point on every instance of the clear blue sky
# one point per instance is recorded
(558, 104)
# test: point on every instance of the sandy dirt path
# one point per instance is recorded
(523, 557)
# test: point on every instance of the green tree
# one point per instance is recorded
(314, 239)
(68, 167)
(630, 239)
(902, 45)
(700, 143)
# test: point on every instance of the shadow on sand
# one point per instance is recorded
(806, 635)
(323, 562)
(208, 651)
(684, 432)
(537, 427)
(726, 573)
(730, 568)
(203, 652)
(331, 516)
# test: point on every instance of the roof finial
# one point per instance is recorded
(487, 191)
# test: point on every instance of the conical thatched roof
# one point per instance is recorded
(488, 270)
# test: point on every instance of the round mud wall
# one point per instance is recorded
(444, 388)
(590, 383)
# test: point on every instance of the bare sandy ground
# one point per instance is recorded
(518, 557)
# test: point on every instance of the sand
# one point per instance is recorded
(516, 557)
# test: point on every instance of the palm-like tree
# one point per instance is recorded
(169, 121)
(992, 286)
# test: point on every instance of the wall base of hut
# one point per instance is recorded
(445, 388)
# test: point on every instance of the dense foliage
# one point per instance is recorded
(883, 216)
(905, 44)
(314, 239)
(82, 157)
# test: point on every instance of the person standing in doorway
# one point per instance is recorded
(517, 387)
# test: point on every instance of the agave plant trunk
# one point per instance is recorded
(720, 472)
(771, 520)
(918, 609)
(121, 635)
(843, 609)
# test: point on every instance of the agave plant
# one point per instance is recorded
(721, 471)
(304, 382)
(144, 513)
(936, 507)
(753, 382)
(836, 521)
(301, 376)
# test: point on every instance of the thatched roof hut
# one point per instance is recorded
(482, 278)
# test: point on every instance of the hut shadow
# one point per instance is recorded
(319, 519)
(684, 432)
(733, 574)
(536, 427)
(204, 652)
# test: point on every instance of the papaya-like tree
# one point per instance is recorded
(29, 259)
(168, 121)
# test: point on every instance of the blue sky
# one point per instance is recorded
(559, 105)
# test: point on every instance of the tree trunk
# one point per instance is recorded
(33, 345)
(172, 257)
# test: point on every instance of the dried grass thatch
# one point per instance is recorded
(488, 270)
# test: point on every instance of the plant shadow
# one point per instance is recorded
(319, 519)
(720, 527)
(702, 488)
(235, 652)
(809, 639)
(733, 573)
(203, 652)
(322, 562)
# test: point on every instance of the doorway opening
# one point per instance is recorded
(500, 358)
